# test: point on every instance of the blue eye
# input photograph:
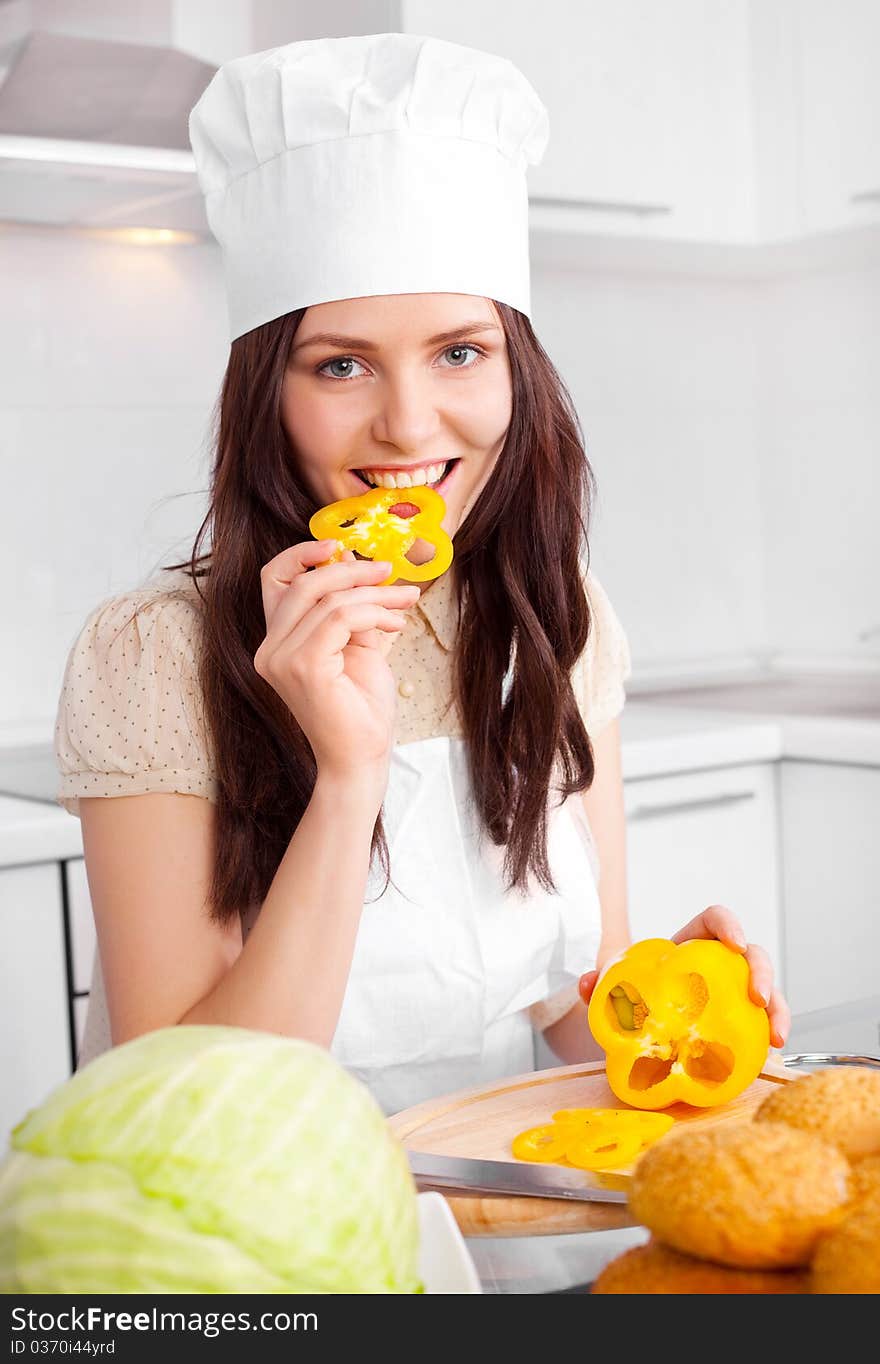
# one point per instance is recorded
(462, 348)
(350, 360)
(340, 360)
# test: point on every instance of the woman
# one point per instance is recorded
(386, 819)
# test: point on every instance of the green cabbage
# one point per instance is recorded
(203, 1159)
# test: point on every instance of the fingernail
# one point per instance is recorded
(383, 564)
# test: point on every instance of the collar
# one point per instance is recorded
(440, 609)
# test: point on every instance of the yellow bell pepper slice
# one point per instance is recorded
(601, 1148)
(367, 525)
(540, 1143)
(648, 1125)
(592, 1138)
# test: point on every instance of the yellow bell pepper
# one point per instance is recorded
(677, 1024)
(367, 525)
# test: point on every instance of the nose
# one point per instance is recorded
(406, 414)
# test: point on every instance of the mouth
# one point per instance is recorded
(434, 476)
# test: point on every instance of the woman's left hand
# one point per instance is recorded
(718, 922)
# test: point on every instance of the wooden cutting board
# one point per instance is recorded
(482, 1122)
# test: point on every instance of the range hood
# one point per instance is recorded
(93, 133)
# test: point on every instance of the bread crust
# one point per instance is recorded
(658, 1268)
(840, 1104)
(749, 1195)
(847, 1259)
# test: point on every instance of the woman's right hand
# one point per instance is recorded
(324, 656)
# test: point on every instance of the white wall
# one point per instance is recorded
(819, 452)
(733, 427)
(110, 361)
(662, 372)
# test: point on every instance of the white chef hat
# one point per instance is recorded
(384, 164)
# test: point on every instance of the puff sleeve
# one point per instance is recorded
(599, 675)
(130, 715)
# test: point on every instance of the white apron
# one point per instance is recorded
(441, 981)
(446, 961)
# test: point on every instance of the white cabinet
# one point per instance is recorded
(750, 121)
(83, 942)
(35, 1051)
(83, 939)
(648, 104)
(838, 48)
(45, 977)
(702, 838)
(831, 887)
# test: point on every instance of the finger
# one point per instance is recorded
(334, 633)
(780, 1019)
(294, 562)
(286, 598)
(297, 559)
(314, 573)
(715, 922)
(376, 639)
(760, 975)
(587, 984)
(324, 587)
(371, 639)
(394, 598)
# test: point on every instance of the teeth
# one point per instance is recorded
(431, 474)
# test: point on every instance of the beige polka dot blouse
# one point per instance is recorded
(130, 716)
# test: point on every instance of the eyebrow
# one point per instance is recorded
(358, 343)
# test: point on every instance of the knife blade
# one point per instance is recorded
(505, 1177)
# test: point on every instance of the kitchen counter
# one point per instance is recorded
(660, 738)
(661, 734)
(817, 717)
(33, 831)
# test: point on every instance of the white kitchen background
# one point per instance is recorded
(706, 277)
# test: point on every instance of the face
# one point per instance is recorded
(412, 389)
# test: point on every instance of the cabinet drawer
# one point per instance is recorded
(82, 924)
(703, 838)
(830, 818)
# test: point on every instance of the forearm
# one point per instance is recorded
(292, 972)
(570, 1038)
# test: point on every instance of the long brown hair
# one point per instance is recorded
(519, 565)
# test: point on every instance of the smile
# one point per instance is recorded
(428, 475)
